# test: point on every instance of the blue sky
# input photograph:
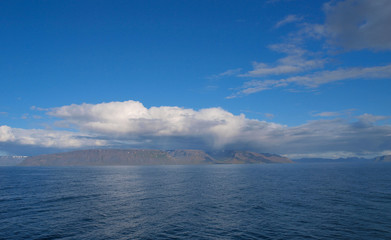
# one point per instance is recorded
(293, 77)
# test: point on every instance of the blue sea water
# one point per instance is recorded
(276, 201)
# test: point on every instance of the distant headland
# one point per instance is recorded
(124, 157)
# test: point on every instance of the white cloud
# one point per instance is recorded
(369, 118)
(288, 19)
(6, 134)
(323, 77)
(131, 118)
(47, 138)
(347, 112)
(327, 114)
(269, 115)
(359, 24)
(219, 128)
(56, 139)
(310, 30)
(316, 79)
(35, 108)
(296, 60)
(228, 73)
(130, 124)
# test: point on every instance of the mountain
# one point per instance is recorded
(386, 158)
(11, 160)
(246, 157)
(118, 157)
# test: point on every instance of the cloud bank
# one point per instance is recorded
(130, 124)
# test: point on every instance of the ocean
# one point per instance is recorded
(269, 201)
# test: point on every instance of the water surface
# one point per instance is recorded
(276, 201)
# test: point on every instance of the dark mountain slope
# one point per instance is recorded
(120, 157)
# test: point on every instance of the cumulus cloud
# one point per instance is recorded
(131, 118)
(6, 134)
(47, 138)
(221, 129)
(359, 24)
(130, 124)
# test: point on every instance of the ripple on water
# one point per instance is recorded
(197, 202)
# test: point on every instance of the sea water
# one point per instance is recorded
(273, 201)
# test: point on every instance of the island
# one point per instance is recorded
(125, 157)
(386, 158)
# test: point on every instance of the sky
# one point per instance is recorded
(292, 77)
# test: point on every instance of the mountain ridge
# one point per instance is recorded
(123, 157)
(385, 158)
